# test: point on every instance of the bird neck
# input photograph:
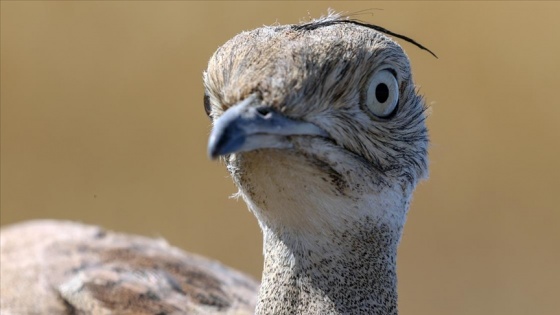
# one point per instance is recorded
(330, 238)
(350, 271)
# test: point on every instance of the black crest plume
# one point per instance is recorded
(326, 22)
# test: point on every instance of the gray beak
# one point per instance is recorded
(249, 126)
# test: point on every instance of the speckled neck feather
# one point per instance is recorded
(330, 244)
(352, 272)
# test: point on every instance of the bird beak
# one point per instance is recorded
(249, 125)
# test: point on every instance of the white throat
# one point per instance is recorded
(330, 244)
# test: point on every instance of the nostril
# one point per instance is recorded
(264, 111)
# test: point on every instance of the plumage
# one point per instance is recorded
(331, 190)
(322, 130)
(59, 267)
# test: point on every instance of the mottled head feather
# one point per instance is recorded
(318, 72)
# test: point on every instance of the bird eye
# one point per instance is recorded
(207, 107)
(382, 94)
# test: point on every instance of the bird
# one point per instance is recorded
(323, 131)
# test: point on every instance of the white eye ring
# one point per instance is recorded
(382, 94)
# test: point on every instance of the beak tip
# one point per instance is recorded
(225, 141)
(213, 152)
(213, 155)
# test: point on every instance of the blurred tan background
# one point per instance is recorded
(102, 122)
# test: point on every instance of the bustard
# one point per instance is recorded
(324, 134)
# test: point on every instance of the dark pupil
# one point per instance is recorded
(382, 92)
(207, 104)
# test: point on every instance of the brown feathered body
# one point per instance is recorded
(64, 268)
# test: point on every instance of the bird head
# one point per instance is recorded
(318, 123)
